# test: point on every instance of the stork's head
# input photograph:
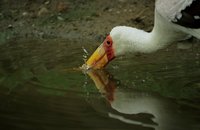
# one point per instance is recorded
(113, 46)
(103, 54)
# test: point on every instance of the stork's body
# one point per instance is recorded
(174, 20)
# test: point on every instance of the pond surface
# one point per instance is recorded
(41, 87)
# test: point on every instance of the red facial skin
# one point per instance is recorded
(108, 46)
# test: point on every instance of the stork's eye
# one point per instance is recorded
(108, 43)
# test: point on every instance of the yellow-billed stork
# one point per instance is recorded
(175, 20)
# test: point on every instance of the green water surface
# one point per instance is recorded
(41, 88)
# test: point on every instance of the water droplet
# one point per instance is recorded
(85, 51)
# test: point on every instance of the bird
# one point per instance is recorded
(174, 20)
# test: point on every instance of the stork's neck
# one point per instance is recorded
(146, 42)
(128, 39)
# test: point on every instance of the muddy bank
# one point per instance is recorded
(89, 19)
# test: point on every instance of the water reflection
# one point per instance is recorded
(139, 107)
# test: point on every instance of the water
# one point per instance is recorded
(41, 87)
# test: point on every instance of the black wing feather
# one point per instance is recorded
(190, 16)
